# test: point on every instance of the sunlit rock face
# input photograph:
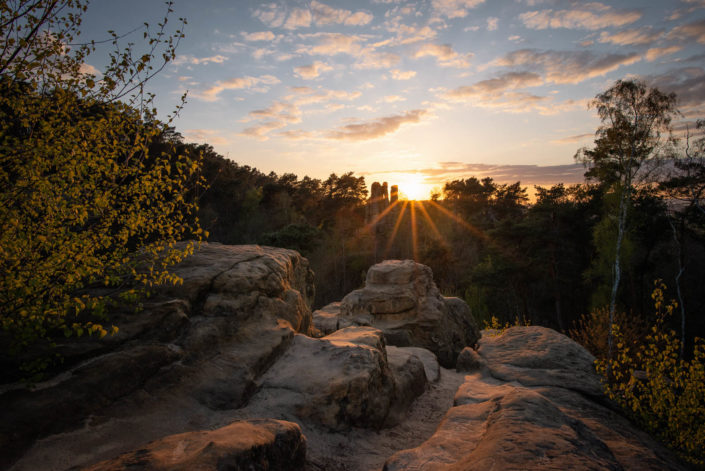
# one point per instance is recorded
(534, 403)
(248, 444)
(401, 299)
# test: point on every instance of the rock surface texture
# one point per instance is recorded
(534, 404)
(231, 371)
(401, 299)
(263, 444)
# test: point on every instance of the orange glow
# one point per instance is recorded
(396, 228)
(413, 187)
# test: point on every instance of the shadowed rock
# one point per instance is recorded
(401, 299)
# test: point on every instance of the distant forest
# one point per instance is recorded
(545, 262)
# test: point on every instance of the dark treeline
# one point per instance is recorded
(546, 261)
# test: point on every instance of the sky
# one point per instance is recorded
(413, 92)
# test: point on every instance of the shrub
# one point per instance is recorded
(664, 394)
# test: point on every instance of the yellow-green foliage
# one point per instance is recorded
(83, 203)
(496, 327)
(661, 391)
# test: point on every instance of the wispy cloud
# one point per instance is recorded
(376, 128)
(454, 8)
(402, 74)
(209, 136)
(193, 60)
(526, 174)
(326, 15)
(259, 36)
(492, 23)
(690, 31)
(656, 52)
(573, 139)
(280, 16)
(331, 44)
(567, 66)
(279, 115)
(312, 71)
(590, 16)
(444, 54)
(301, 96)
(630, 37)
(495, 87)
(239, 83)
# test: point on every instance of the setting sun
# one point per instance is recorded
(413, 187)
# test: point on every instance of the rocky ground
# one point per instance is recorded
(231, 370)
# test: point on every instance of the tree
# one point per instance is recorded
(635, 119)
(85, 201)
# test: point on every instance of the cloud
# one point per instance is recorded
(492, 23)
(271, 15)
(239, 83)
(631, 36)
(298, 18)
(444, 54)
(408, 34)
(656, 52)
(312, 71)
(325, 15)
(688, 83)
(590, 16)
(402, 74)
(261, 130)
(495, 87)
(375, 128)
(296, 134)
(280, 16)
(573, 139)
(526, 174)
(567, 66)
(192, 60)
(209, 136)
(370, 59)
(500, 94)
(690, 31)
(307, 96)
(279, 110)
(259, 36)
(330, 44)
(454, 8)
(393, 98)
(278, 115)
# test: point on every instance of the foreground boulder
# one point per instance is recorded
(401, 299)
(194, 350)
(535, 404)
(257, 445)
(337, 381)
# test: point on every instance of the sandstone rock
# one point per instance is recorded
(469, 360)
(337, 381)
(536, 405)
(326, 319)
(409, 379)
(263, 444)
(401, 299)
(200, 345)
(538, 356)
(430, 363)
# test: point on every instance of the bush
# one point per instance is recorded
(662, 392)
